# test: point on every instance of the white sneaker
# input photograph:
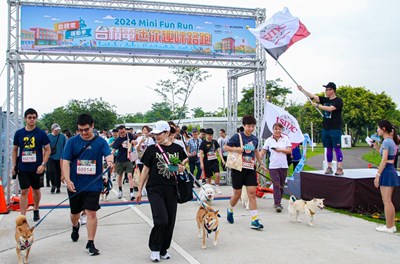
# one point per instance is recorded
(155, 256)
(385, 229)
(120, 194)
(144, 192)
(166, 256)
(83, 219)
(132, 195)
(217, 190)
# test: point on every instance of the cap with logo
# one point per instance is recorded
(55, 126)
(160, 126)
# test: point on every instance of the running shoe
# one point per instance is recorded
(217, 190)
(166, 256)
(278, 208)
(339, 171)
(155, 256)
(91, 249)
(83, 219)
(132, 195)
(229, 216)
(75, 232)
(256, 224)
(120, 194)
(386, 230)
(329, 170)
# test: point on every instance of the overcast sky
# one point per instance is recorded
(351, 43)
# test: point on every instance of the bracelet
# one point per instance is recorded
(378, 174)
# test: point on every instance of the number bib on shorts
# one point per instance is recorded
(248, 162)
(28, 156)
(86, 167)
(211, 155)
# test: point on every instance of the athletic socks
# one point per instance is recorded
(120, 188)
(131, 190)
(254, 215)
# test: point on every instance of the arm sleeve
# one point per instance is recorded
(266, 145)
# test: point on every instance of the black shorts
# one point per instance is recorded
(28, 179)
(245, 177)
(84, 201)
(210, 168)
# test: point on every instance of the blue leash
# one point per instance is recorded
(69, 197)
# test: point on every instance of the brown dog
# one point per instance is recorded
(207, 222)
(23, 237)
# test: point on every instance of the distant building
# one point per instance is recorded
(27, 39)
(45, 36)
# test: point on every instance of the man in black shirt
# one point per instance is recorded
(331, 106)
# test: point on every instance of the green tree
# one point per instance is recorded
(131, 118)
(158, 111)
(197, 112)
(102, 112)
(181, 88)
(274, 91)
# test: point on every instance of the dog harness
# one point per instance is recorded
(25, 245)
(210, 231)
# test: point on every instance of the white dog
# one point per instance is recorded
(245, 198)
(207, 194)
(308, 208)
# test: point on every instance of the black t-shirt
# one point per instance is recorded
(121, 143)
(159, 173)
(332, 120)
(209, 149)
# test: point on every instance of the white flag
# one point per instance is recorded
(275, 114)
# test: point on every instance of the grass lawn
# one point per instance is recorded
(372, 157)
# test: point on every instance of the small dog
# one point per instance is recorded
(23, 237)
(107, 186)
(207, 222)
(245, 198)
(308, 208)
(207, 194)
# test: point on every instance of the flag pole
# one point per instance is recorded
(309, 99)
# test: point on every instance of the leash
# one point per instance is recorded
(69, 197)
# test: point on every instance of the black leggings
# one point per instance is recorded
(54, 171)
(163, 202)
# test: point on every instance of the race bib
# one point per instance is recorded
(86, 167)
(28, 156)
(211, 155)
(248, 162)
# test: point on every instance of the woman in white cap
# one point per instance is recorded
(161, 189)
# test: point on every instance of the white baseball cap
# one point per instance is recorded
(160, 126)
(139, 131)
(55, 126)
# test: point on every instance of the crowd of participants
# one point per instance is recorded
(132, 158)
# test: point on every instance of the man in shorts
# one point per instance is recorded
(208, 158)
(123, 164)
(31, 161)
(247, 177)
(331, 106)
(82, 164)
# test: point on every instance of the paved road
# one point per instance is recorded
(123, 233)
(351, 159)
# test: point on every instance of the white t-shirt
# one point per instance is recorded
(147, 142)
(277, 160)
(222, 142)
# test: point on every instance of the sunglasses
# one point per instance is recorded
(84, 129)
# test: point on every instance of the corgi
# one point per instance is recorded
(23, 237)
(309, 208)
(207, 222)
(207, 194)
(245, 198)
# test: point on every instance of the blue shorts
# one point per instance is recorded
(389, 176)
(331, 138)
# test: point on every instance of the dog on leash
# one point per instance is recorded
(245, 198)
(23, 237)
(207, 194)
(308, 208)
(107, 186)
(207, 222)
